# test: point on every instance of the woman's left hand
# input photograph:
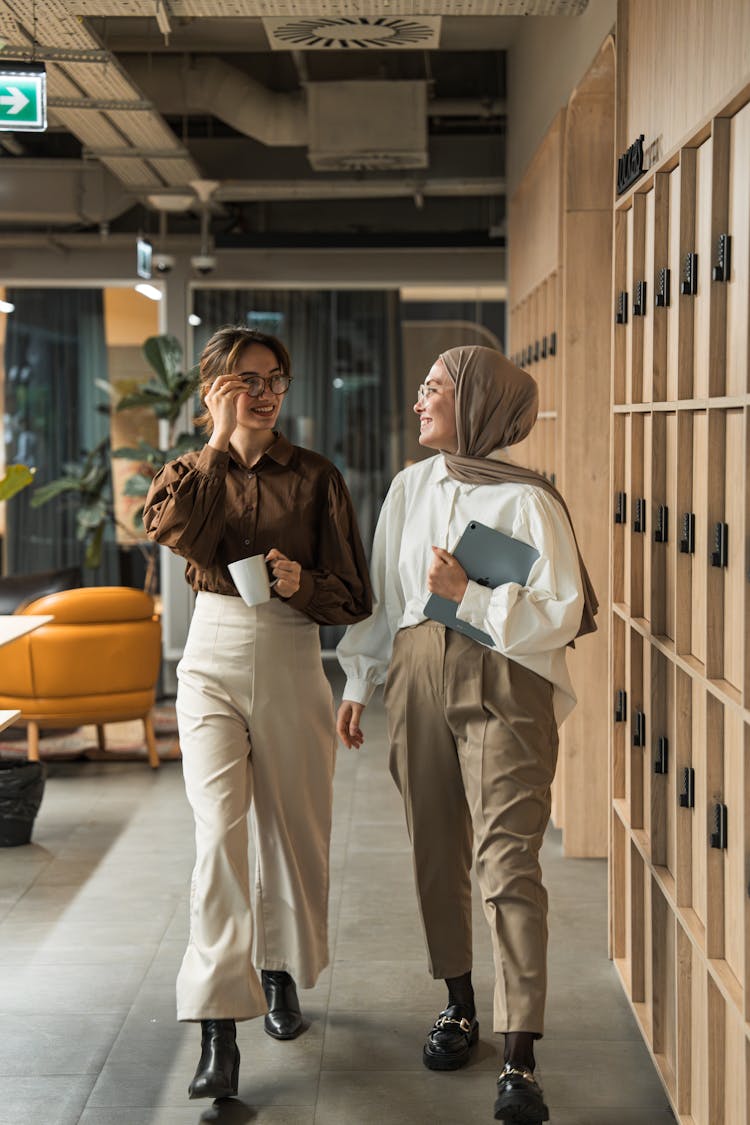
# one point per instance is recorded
(286, 573)
(446, 577)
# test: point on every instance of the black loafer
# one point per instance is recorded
(449, 1043)
(519, 1098)
(284, 1018)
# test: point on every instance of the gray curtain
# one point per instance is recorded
(54, 350)
(346, 362)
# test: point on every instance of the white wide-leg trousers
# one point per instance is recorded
(256, 725)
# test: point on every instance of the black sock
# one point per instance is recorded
(461, 992)
(519, 1049)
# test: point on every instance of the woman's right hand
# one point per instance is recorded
(221, 401)
(347, 724)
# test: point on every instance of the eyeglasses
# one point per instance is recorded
(424, 391)
(256, 384)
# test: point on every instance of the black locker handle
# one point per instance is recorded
(661, 531)
(661, 763)
(719, 834)
(639, 729)
(621, 507)
(720, 553)
(687, 796)
(687, 534)
(723, 266)
(662, 299)
(621, 705)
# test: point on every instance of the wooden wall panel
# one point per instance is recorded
(560, 331)
(535, 217)
(677, 60)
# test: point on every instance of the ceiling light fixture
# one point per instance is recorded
(149, 291)
(171, 201)
(7, 307)
(194, 320)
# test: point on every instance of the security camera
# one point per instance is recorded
(163, 263)
(203, 263)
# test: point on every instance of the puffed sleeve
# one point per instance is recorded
(185, 508)
(364, 652)
(546, 613)
(337, 591)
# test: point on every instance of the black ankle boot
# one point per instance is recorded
(219, 1066)
(284, 1019)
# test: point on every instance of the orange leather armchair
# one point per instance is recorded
(97, 662)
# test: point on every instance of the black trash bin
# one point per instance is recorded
(21, 791)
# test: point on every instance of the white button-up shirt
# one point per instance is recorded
(531, 624)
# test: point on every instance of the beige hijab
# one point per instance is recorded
(496, 406)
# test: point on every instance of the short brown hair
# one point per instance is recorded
(220, 355)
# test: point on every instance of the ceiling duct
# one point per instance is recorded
(353, 33)
(367, 126)
(209, 85)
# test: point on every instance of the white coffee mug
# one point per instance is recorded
(250, 576)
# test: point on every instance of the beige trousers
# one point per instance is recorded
(256, 723)
(473, 753)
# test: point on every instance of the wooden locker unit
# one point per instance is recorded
(680, 587)
(738, 226)
(669, 548)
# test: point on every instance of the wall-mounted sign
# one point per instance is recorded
(23, 97)
(630, 166)
(144, 252)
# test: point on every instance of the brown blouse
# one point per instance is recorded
(210, 508)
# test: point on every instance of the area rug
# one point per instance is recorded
(124, 741)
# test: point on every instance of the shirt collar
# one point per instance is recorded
(280, 451)
(439, 472)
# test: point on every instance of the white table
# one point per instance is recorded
(15, 625)
(7, 717)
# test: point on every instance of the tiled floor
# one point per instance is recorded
(92, 927)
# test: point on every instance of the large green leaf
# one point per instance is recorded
(47, 492)
(137, 485)
(16, 477)
(164, 353)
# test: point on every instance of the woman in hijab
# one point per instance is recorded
(473, 726)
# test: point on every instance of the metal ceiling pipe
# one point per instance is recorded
(259, 190)
(209, 85)
(177, 85)
(49, 192)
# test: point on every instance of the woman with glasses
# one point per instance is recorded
(473, 722)
(254, 708)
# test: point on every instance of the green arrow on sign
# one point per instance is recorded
(23, 100)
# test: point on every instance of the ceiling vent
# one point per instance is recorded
(357, 33)
(367, 126)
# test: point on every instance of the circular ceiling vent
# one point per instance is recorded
(355, 33)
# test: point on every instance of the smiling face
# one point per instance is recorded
(262, 412)
(436, 409)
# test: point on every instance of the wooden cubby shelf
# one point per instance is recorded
(679, 616)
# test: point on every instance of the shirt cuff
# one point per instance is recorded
(474, 605)
(212, 462)
(358, 691)
(302, 598)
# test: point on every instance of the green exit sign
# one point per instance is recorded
(23, 97)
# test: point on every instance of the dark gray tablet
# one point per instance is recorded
(490, 558)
